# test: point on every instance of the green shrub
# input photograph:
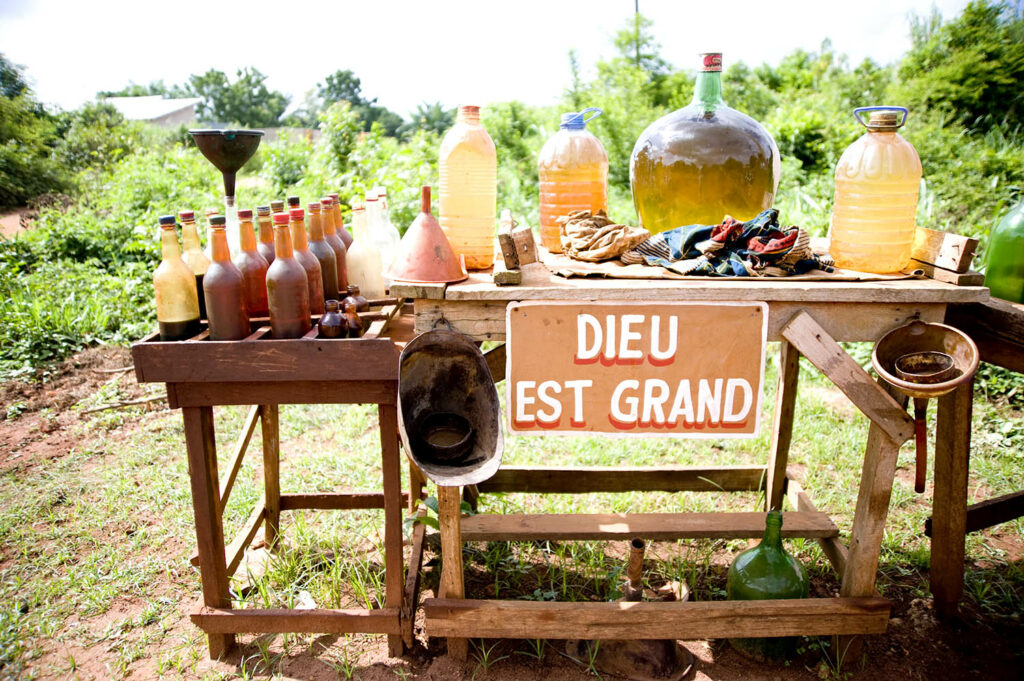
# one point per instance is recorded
(285, 162)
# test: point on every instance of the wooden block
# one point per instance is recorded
(654, 526)
(943, 249)
(280, 620)
(503, 276)
(495, 358)
(582, 480)
(526, 249)
(996, 326)
(816, 345)
(655, 620)
(968, 278)
(505, 243)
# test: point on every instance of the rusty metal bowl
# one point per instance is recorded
(930, 366)
(925, 339)
(444, 384)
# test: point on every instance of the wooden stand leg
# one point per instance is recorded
(782, 428)
(202, 459)
(417, 483)
(858, 578)
(269, 414)
(949, 500)
(392, 486)
(449, 502)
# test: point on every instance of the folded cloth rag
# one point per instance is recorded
(756, 248)
(592, 237)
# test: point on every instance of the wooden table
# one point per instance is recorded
(263, 372)
(806, 318)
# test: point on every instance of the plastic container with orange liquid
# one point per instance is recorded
(573, 170)
(875, 207)
(468, 168)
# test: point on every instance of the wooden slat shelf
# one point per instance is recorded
(653, 526)
(580, 480)
(281, 620)
(655, 620)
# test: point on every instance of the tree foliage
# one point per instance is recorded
(247, 101)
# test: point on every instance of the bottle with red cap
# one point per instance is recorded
(287, 287)
(192, 254)
(266, 223)
(345, 235)
(224, 288)
(300, 246)
(327, 217)
(323, 252)
(252, 265)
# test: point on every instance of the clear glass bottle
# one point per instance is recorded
(193, 254)
(468, 189)
(702, 162)
(224, 287)
(300, 246)
(573, 171)
(875, 208)
(363, 258)
(1004, 257)
(266, 244)
(253, 267)
(766, 571)
(287, 286)
(177, 302)
(383, 234)
(328, 218)
(323, 251)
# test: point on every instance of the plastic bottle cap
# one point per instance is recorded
(313, 207)
(293, 201)
(327, 201)
(185, 216)
(710, 61)
(211, 211)
(166, 220)
(245, 214)
(217, 220)
(280, 218)
(577, 120)
(297, 214)
(277, 206)
(262, 210)
(334, 196)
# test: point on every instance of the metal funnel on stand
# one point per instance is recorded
(425, 255)
(924, 360)
(228, 150)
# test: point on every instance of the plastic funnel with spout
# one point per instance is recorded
(228, 150)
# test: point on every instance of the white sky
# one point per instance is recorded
(407, 52)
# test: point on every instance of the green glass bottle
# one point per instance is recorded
(1004, 259)
(766, 571)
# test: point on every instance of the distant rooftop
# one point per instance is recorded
(150, 107)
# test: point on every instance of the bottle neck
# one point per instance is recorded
(773, 531)
(327, 222)
(282, 242)
(219, 244)
(359, 224)
(316, 230)
(190, 237)
(707, 91)
(299, 242)
(266, 231)
(470, 115)
(246, 235)
(169, 244)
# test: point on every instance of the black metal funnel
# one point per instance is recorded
(228, 150)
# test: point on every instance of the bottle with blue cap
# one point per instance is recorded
(573, 169)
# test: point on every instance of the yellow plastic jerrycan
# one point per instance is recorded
(573, 171)
(877, 181)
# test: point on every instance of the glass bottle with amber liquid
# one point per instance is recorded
(346, 236)
(253, 267)
(297, 224)
(193, 254)
(329, 221)
(287, 287)
(332, 324)
(177, 303)
(319, 247)
(266, 225)
(224, 286)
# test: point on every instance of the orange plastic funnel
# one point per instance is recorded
(424, 254)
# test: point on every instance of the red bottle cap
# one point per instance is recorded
(187, 215)
(314, 207)
(245, 214)
(327, 201)
(280, 218)
(297, 214)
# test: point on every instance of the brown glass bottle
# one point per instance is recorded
(192, 254)
(308, 261)
(356, 298)
(266, 243)
(325, 255)
(287, 287)
(332, 324)
(343, 234)
(253, 267)
(352, 321)
(224, 286)
(335, 242)
(177, 304)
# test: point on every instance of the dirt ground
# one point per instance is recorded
(916, 645)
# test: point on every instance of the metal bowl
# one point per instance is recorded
(919, 337)
(930, 366)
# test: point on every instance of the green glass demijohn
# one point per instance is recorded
(766, 571)
(1004, 259)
